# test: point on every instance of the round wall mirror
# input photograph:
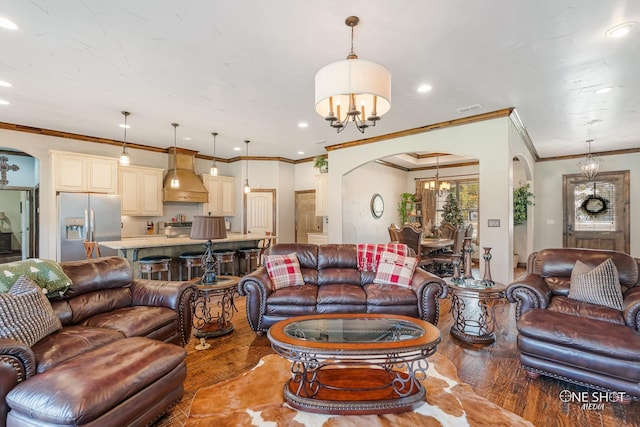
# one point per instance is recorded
(377, 205)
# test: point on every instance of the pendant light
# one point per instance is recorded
(247, 188)
(125, 158)
(214, 167)
(175, 182)
(590, 165)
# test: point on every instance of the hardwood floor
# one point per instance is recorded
(493, 371)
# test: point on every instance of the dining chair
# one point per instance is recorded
(393, 233)
(445, 230)
(441, 263)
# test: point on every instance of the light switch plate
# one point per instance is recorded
(493, 223)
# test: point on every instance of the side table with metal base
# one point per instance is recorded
(472, 307)
(208, 323)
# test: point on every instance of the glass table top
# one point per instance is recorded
(354, 330)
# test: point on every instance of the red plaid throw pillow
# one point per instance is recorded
(284, 270)
(394, 269)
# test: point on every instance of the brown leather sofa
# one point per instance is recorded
(118, 359)
(579, 342)
(333, 284)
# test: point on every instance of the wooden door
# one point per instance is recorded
(306, 219)
(596, 213)
(260, 211)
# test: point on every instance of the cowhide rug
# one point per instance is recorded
(255, 399)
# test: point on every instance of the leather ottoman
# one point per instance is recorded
(98, 389)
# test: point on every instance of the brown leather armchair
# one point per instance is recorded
(579, 342)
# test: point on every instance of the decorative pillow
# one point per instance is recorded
(26, 314)
(45, 273)
(394, 269)
(284, 270)
(369, 253)
(599, 285)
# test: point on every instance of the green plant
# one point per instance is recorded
(405, 205)
(321, 162)
(521, 200)
(451, 211)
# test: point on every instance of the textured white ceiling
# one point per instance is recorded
(245, 69)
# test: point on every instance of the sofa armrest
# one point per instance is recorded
(631, 308)
(17, 363)
(175, 295)
(430, 289)
(256, 286)
(528, 291)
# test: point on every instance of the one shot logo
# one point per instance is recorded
(592, 400)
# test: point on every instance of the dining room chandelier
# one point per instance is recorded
(125, 158)
(175, 182)
(590, 165)
(362, 87)
(442, 187)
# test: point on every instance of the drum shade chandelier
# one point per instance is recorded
(361, 88)
(590, 165)
(125, 158)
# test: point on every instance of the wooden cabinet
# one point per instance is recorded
(140, 189)
(221, 195)
(82, 173)
(322, 196)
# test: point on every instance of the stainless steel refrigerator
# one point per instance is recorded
(84, 216)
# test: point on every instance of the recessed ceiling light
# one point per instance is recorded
(3, 102)
(122, 125)
(7, 24)
(300, 152)
(5, 84)
(303, 125)
(620, 30)
(186, 138)
(424, 88)
(602, 90)
(237, 148)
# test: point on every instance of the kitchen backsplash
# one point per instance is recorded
(133, 226)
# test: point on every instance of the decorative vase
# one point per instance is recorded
(467, 249)
(486, 277)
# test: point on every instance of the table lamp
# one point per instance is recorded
(208, 228)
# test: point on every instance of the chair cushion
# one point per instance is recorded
(585, 310)
(598, 285)
(394, 269)
(45, 273)
(26, 314)
(284, 270)
(137, 321)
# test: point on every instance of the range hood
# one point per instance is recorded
(191, 188)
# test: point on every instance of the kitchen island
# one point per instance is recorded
(135, 248)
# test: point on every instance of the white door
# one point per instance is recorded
(260, 212)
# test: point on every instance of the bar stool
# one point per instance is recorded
(190, 260)
(248, 260)
(155, 264)
(226, 257)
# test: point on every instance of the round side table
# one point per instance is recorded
(207, 321)
(472, 307)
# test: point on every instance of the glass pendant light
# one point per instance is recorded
(214, 167)
(125, 158)
(175, 182)
(247, 188)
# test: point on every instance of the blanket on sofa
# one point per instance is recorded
(369, 253)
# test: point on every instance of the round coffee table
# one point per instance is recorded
(472, 307)
(354, 364)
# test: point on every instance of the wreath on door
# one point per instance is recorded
(594, 206)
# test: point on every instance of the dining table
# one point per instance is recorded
(432, 244)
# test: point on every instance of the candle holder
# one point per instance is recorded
(455, 261)
(486, 277)
(468, 249)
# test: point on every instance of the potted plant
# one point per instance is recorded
(451, 211)
(321, 163)
(405, 205)
(521, 201)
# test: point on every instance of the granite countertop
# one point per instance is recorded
(157, 242)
